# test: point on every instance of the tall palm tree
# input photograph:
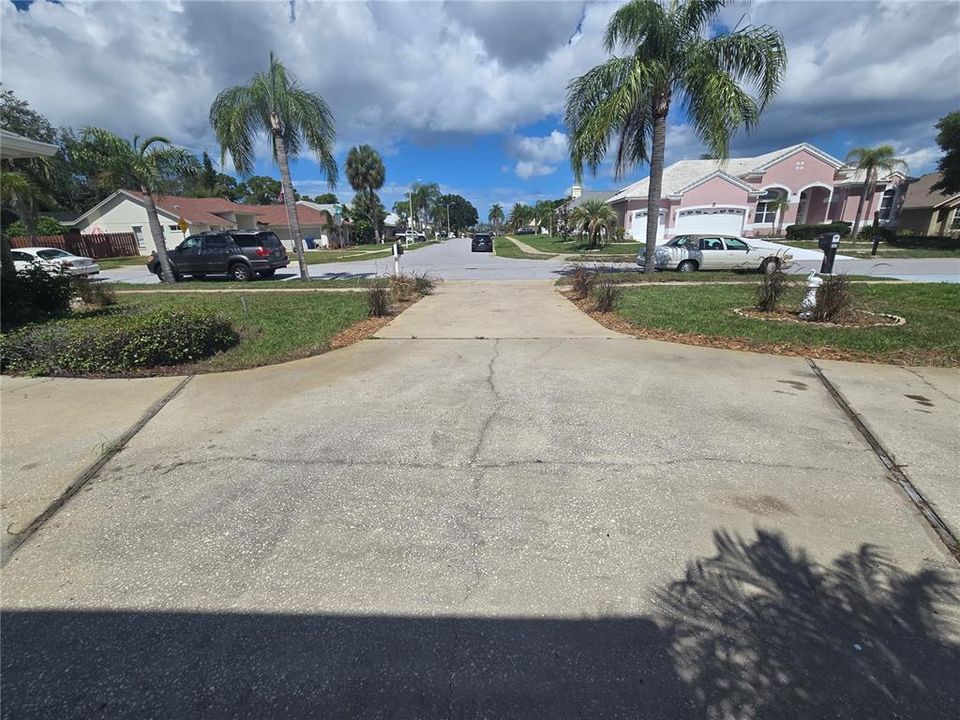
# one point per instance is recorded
(543, 214)
(594, 217)
(670, 57)
(871, 161)
(153, 165)
(366, 174)
(275, 103)
(495, 216)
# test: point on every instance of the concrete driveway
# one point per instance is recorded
(495, 508)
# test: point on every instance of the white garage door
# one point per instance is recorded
(722, 221)
(638, 225)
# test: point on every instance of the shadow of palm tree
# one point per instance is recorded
(763, 631)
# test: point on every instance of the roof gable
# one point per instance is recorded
(920, 193)
(723, 175)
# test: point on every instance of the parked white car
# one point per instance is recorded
(54, 261)
(688, 253)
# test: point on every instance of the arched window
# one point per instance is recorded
(766, 210)
(886, 203)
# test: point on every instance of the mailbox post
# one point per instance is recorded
(829, 242)
(397, 252)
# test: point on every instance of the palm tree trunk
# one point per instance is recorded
(863, 197)
(288, 197)
(661, 108)
(156, 229)
(373, 219)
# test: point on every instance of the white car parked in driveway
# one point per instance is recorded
(54, 261)
(688, 253)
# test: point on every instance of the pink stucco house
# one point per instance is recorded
(736, 196)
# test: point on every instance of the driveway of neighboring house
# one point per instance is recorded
(497, 508)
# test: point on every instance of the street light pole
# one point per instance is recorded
(448, 219)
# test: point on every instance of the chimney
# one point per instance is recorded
(576, 191)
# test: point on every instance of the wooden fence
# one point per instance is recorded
(100, 245)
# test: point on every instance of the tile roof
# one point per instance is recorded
(276, 215)
(197, 210)
(589, 195)
(681, 174)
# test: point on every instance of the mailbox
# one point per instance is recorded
(829, 241)
(397, 249)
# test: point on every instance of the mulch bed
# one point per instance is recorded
(367, 327)
(616, 322)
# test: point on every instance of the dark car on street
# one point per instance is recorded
(526, 231)
(239, 254)
(481, 242)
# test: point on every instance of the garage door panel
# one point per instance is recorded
(722, 221)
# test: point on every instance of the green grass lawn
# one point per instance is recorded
(548, 243)
(930, 337)
(506, 248)
(279, 326)
(669, 276)
(111, 263)
(863, 248)
(189, 284)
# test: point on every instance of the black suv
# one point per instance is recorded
(241, 254)
(482, 242)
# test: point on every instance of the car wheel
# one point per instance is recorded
(241, 271)
(266, 273)
(687, 266)
(176, 275)
(769, 265)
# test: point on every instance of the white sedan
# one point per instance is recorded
(687, 253)
(54, 261)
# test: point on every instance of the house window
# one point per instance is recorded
(955, 224)
(173, 228)
(138, 234)
(766, 207)
(886, 203)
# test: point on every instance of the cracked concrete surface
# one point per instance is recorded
(462, 527)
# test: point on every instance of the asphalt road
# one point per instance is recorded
(452, 260)
(495, 509)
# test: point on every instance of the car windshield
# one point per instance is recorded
(53, 254)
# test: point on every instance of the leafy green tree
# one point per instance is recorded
(326, 199)
(212, 183)
(151, 165)
(463, 214)
(948, 138)
(367, 206)
(871, 161)
(275, 103)
(44, 226)
(496, 216)
(671, 56)
(366, 175)
(595, 218)
(260, 190)
(18, 117)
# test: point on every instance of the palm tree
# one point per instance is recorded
(19, 191)
(275, 103)
(153, 165)
(543, 214)
(366, 174)
(423, 196)
(520, 215)
(594, 217)
(670, 57)
(780, 207)
(872, 160)
(495, 216)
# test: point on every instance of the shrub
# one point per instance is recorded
(584, 279)
(810, 232)
(94, 292)
(378, 299)
(770, 289)
(927, 242)
(45, 226)
(424, 283)
(33, 295)
(401, 288)
(834, 299)
(606, 292)
(117, 343)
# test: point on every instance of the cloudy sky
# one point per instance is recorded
(468, 94)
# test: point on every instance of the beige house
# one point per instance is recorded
(930, 212)
(125, 212)
(322, 223)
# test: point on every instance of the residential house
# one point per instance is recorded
(317, 222)
(18, 147)
(125, 212)
(579, 196)
(930, 212)
(739, 195)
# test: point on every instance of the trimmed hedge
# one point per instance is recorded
(33, 295)
(810, 232)
(117, 343)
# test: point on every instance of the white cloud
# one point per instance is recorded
(538, 156)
